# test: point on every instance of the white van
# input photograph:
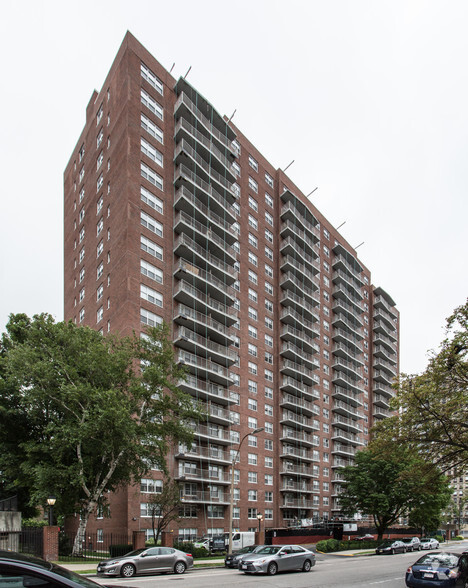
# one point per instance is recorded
(240, 539)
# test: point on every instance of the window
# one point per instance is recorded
(252, 367)
(82, 194)
(269, 322)
(99, 160)
(99, 226)
(253, 185)
(252, 404)
(268, 427)
(99, 292)
(82, 315)
(152, 129)
(152, 224)
(269, 375)
(252, 478)
(269, 288)
(99, 182)
(151, 104)
(151, 272)
(82, 294)
(252, 459)
(268, 200)
(81, 176)
(151, 295)
(99, 205)
(269, 180)
(252, 350)
(268, 444)
(235, 205)
(326, 281)
(148, 486)
(253, 277)
(253, 240)
(236, 168)
(326, 266)
(82, 274)
(253, 203)
(151, 248)
(252, 422)
(268, 270)
(236, 227)
(81, 152)
(269, 253)
(269, 357)
(82, 254)
(100, 248)
(99, 314)
(326, 250)
(151, 152)
(252, 331)
(100, 270)
(268, 235)
(269, 307)
(151, 78)
(252, 313)
(269, 218)
(99, 115)
(268, 462)
(253, 441)
(252, 295)
(149, 318)
(215, 511)
(253, 222)
(151, 176)
(253, 163)
(253, 259)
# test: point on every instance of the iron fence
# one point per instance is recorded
(95, 546)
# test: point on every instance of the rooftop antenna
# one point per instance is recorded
(288, 165)
(170, 71)
(310, 193)
(360, 245)
(188, 71)
(230, 118)
(343, 223)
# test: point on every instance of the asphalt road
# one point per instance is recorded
(331, 571)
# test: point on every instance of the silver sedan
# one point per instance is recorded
(272, 559)
(146, 561)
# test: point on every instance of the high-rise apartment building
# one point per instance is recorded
(171, 214)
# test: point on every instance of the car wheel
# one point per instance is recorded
(180, 567)
(272, 569)
(392, 552)
(307, 566)
(127, 570)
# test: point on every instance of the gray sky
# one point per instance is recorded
(370, 98)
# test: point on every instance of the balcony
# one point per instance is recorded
(291, 247)
(294, 486)
(382, 352)
(349, 297)
(381, 327)
(209, 285)
(339, 378)
(205, 390)
(290, 316)
(296, 370)
(301, 453)
(347, 410)
(290, 264)
(383, 377)
(382, 315)
(344, 450)
(289, 468)
(302, 238)
(381, 364)
(188, 203)
(221, 133)
(346, 438)
(211, 454)
(289, 281)
(189, 295)
(349, 339)
(204, 368)
(306, 311)
(341, 277)
(347, 353)
(204, 347)
(347, 424)
(381, 400)
(340, 262)
(338, 462)
(201, 323)
(206, 497)
(381, 339)
(296, 387)
(380, 302)
(296, 503)
(298, 404)
(290, 213)
(186, 155)
(291, 351)
(188, 249)
(346, 395)
(212, 434)
(348, 367)
(188, 474)
(205, 147)
(292, 419)
(345, 314)
(202, 234)
(381, 413)
(384, 390)
(205, 192)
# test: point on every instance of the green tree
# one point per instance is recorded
(91, 412)
(432, 408)
(164, 507)
(389, 486)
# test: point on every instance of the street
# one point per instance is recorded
(330, 571)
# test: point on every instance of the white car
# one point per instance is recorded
(429, 543)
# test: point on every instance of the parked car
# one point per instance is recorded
(203, 544)
(271, 559)
(391, 546)
(367, 537)
(412, 543)
(232, 559)
(146, 561)
(438, 569)
(17, 569)
(429, 543)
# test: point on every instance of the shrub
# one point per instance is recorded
(459, 538)
(439, 538)
(322, 546)
(189, 547)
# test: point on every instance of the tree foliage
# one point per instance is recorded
(432, 408)
(392, 485)
(90, 412)
(164, 507)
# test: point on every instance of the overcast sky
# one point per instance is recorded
(370, 98)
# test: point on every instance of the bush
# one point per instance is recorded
(118, 550)
(328, 545)
(439, 538)
(188, 547)
(322, 546)
(459, 538)
(33, 523)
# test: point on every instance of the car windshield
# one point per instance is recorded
(437, 560)
(425, 539)
(407, 540)
(269, 549)
(133, 553)
(386, 543)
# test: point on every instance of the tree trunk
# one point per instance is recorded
(80, 539)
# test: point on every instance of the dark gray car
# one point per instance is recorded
(277, 558)
(146, 561)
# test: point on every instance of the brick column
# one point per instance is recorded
(139, 539)
(259, 537)
(167, 538)
(50, 546)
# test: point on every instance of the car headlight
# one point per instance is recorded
(113, 563)
(452, 574)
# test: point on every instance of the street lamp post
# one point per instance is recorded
(260, 519)
(233, 464)
(51, 500)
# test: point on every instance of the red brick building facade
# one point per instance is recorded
(172, 214)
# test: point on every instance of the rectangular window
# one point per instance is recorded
(236, 168)
(150, 223)
(82, 274)
(151, 176)
(252, 350)
(252, 495)
(253, 203)
(253, 441)
(151, 78)
(151, 295)
(215, 511)
(99, 205)
(268, 200)
(269, 180)
(252, 331)
(82, 315)
(151, 272)
(253, 259)
(252, 368)
(252, 404)
(152, 200)
(253, 277)
(269, 375)
(269, 322)
(269, 306)
(268, 444)
(152, 129)
(100, 248)
(269, 288)
(148, 486)
(253, 295)
(269, 428)
(268, 409)
(253, 185)
(99, 292)
(268, 270)
(268, 462)
(253, 222)
(99, 314)
(269, 218)
(252, 459)
(252, 313)
(99, 182)
(100, 270)
(269, 357)
(268, 235)
(151, 104)
(253, 240)
(253, 163)
(149, 318)
(252, 477)
(151, 152)
(269, 253)
(151, 248)
(252, 387)
(99, 160)
(269, 340)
